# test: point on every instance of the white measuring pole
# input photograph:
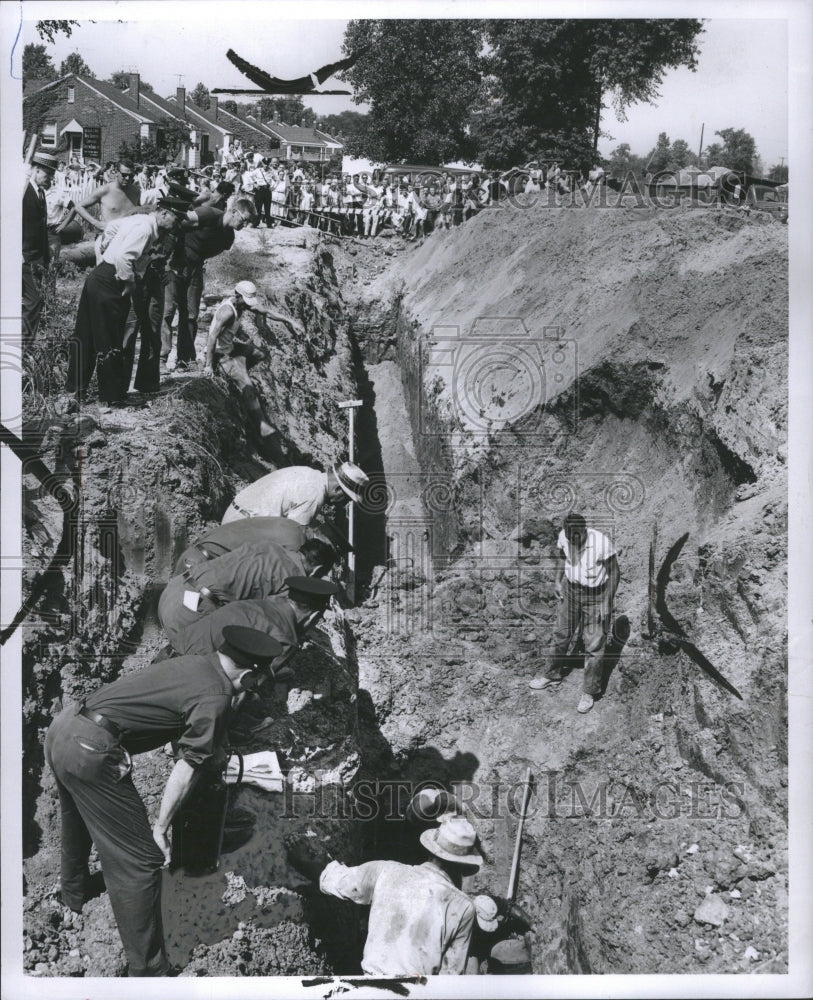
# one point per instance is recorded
(351, 405)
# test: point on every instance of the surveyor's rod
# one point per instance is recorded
(351, 512)
(526, 796)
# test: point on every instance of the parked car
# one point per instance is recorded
(763, 198)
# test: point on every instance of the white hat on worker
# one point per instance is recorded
(352, 479)
(247, 290)
(486, 910)
(453, 840)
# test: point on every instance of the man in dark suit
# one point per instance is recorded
(36, 251)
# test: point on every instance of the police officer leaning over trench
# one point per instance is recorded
(88, 747)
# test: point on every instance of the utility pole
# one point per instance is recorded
(700, 150)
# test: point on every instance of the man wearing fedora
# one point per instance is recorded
(420, 920)
(186, 700)
(298, 492)
(36, 249)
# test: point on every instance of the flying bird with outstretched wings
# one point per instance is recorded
(310, 84)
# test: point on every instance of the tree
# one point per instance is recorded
(682, 156)
(421, 79)
(230, 106)
(547, 80)
(48, 30)
(713, 156)
(779, 172)
(661, 156)
(623, 162)
(121, 79)
(200, 97)
(349, 126)
(37, 64)
(739, 150)
(74, 63)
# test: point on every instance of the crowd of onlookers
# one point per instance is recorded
(362, 205)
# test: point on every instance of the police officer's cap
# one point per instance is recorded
(176, 205)
(312, 591)
(249, 647)
(187, 195)
(332, 534)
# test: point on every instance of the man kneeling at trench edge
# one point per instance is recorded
(88, 747)
(586, 581)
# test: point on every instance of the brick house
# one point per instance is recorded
(86, 118)
(299, 142)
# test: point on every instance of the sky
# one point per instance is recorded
(741, 80)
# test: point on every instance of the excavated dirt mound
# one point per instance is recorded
(631, 365)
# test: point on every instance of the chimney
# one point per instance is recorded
(135, 88)
(213, 106)
(180, 97)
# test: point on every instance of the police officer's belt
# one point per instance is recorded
(100, 720)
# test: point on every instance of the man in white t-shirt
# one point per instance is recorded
(586, 581)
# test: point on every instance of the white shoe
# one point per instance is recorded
(539, 682)
(172, 360)
(585, 704)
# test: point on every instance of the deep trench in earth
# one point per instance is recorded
(670, 790)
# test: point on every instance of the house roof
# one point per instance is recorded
(255, 125)
(170, 108)
(304, 134)
(107, 90)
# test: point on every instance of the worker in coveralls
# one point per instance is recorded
(251, 571)
(88, 747)
(420, 919)
(586, 581)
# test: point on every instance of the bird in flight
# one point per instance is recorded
(310, 84)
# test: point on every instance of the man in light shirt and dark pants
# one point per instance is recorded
(586, 581)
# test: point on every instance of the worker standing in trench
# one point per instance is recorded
(586, 581)
(88, 748)
(231, 351)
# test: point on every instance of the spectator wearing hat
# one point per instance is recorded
(586, 581)
(36, 249)
(252, 571)
(188, 701)
(231, 349)
(298, 492)
(420, 920)
(248, 530)
(286, 617)
(211, 234)
(105, 301)
(120, 196)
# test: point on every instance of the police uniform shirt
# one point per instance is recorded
(274, 616)
(208, 240)
(251, 571)
(187, 700)
(226, 537)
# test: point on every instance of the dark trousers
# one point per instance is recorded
(99, 334)
(144, 318)
(580, 612)
(262, 202)
(32, 300)
(99, 804)
(183, 293)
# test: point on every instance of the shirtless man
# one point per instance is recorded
(119, 197)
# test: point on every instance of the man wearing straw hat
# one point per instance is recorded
(420, 920)
(36, 249)
(298, 492)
